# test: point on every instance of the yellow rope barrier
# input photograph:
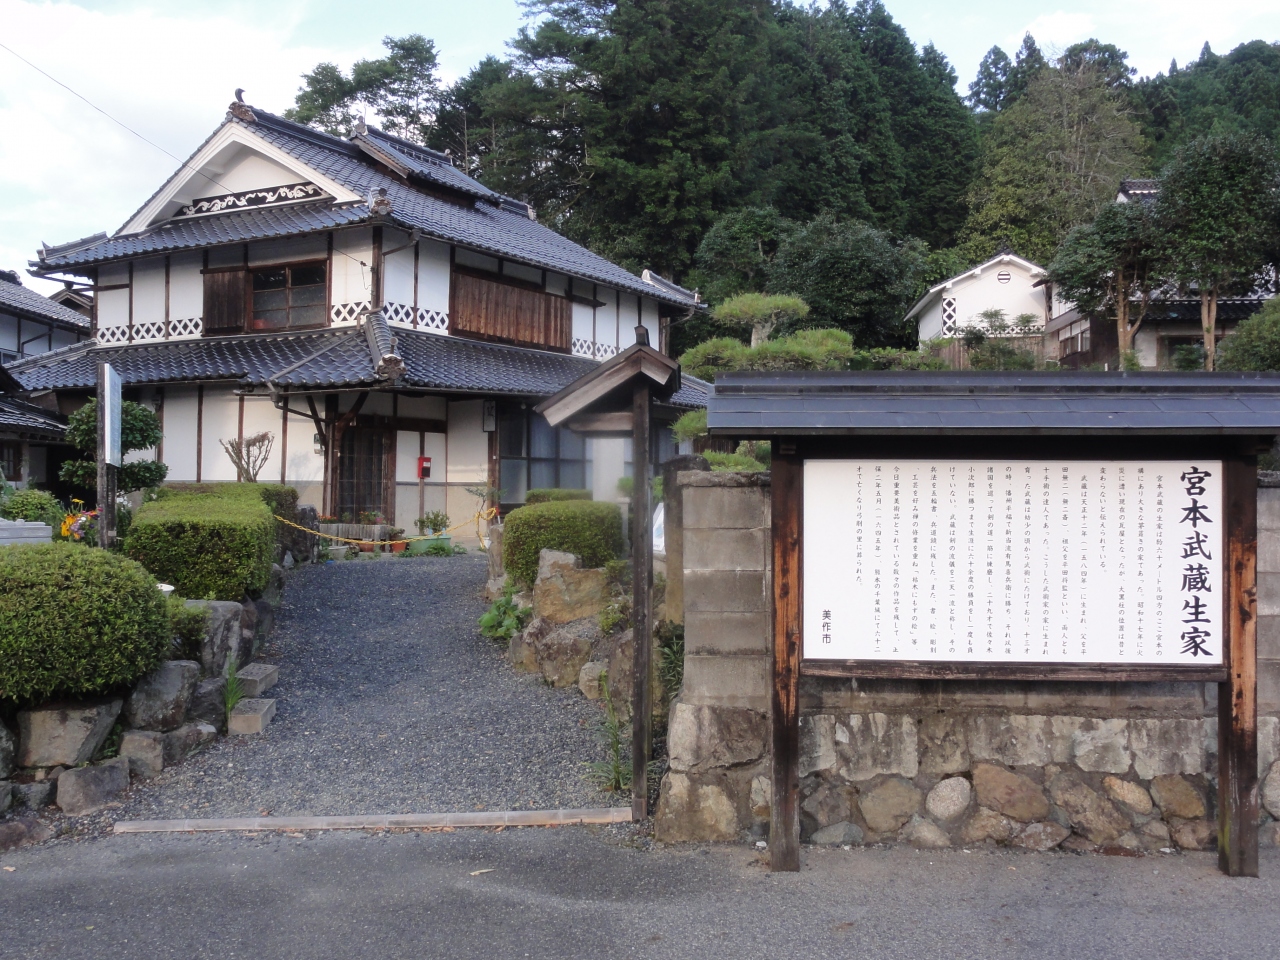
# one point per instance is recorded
(488, 514)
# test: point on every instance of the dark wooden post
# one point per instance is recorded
(1238, 695)
(787, 514)
(106, 471)
(641, 593)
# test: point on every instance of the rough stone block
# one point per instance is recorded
(828, 803)
(1009, 793)
(923, 835)
(701, 738)
(1177, 799)
(34, 795)
(1269, 637)
(589, 678)
(21, 832)
(843, 833)
(987, 825)
(1268, 510)
(1194, 834)
(1268, 594)
(1102, 746)
(88, 789)
(178, 743)
(1018, 741)
(1269, 685)
(1270, 792)
(250, 717)
(6, 795)
(266, 624)
(564, 592)
(719, 508)
(222, 636)
(715, 591)
(209, 701)
(817, 743)
(731, 549)
(888, 805)
(949, 798)
(562, 652)
(273, 593)
(1041, 837)
(727, 681)
(876, 743)
(161, 698)
(144, 749)
(730, 633)
(1090, 813)
(942, 745)
(1268, 743)
(690, 809)
(8, 750)
(257, 678)
(520, 649)
(1166, 746)
(66, 734)
(1129, 794)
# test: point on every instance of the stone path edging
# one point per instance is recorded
(482, 818)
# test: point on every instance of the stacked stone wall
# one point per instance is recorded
(1085, 766)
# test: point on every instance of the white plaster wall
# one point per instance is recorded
(985, 292)
(650, 319)
(303, 466)
(64, 338)
(8, 332)
(351, 281)
(312, 247)
(606, 316)
(628, 317)
(467, 457)
(180, 433)
(148, 290)
(113, 305)
(584, 322)
(1145, 346)
(608, 466)
(250, 170)
(221, 422)
(434, 491)
(397, 280)
(186, 286)
(433, 276)
(930, 320)
(261, 416)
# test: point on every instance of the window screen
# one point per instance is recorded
(290, 297)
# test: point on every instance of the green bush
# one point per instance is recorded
(186, 626)
(38, 506)
(588, 529)
(76, 621)
(733, 462)
(1254, 346)
(206, 543)
(547, 495)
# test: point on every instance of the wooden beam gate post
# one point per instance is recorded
(641, 594)
(1238, 694)
(787, 503)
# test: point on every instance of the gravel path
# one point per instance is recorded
(390, 701)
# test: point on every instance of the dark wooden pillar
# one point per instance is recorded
(1238, 695)
(787, 515)
(641, 593)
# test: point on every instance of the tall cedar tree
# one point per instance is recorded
(1218, 209)
(1112, 267)
(1051, 160)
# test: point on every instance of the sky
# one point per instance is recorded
(168, 70)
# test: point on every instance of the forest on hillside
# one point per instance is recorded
(758, 145)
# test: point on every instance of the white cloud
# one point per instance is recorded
(1059, 29)
(66, 170)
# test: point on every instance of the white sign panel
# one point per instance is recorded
(1023, 561)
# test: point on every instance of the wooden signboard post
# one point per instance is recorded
(109, 451)
(1073, 528)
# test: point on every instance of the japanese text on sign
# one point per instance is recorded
(1013, 561)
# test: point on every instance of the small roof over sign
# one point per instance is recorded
(994, 404)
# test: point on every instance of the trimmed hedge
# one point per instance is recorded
(75, 621)
(550, 494)
(588, 529)
(217, 543)
(36, 506)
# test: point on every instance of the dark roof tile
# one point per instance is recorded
(15, 298)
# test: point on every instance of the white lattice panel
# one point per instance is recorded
(146, 330)
(113, 335)
(583, 348)
(948, 316)
(433, 320)
(347, 312)
(604, 351)
(189, 327)
(398, 314)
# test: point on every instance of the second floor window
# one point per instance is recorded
(290, 297)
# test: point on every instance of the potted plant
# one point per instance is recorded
(397, 546)
(433, 525)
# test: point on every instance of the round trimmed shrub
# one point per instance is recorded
(549, 494)
(76, 620)
(590, 530)
(37, 506)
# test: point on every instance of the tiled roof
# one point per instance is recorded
(327, 359)
(494, 225)
(28, 420)
(984, 404)
(15, 298)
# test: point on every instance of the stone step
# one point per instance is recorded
(257, 678)
(251, 716)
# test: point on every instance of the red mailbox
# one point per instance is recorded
(424, 468)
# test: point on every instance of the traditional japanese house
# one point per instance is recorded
(368, 305)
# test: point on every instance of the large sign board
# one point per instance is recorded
(110, 398)
(1014, 561)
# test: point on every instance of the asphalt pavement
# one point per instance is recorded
(585, 893)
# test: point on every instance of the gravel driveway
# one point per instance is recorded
(390, 701)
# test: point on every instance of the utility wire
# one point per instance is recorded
(182, 163)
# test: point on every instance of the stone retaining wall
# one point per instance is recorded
(1083, 765)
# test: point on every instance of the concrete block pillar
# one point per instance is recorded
(673, 523)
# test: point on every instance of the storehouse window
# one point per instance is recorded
(290, 297)
(11, 460)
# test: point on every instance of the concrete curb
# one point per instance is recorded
(482, 818)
